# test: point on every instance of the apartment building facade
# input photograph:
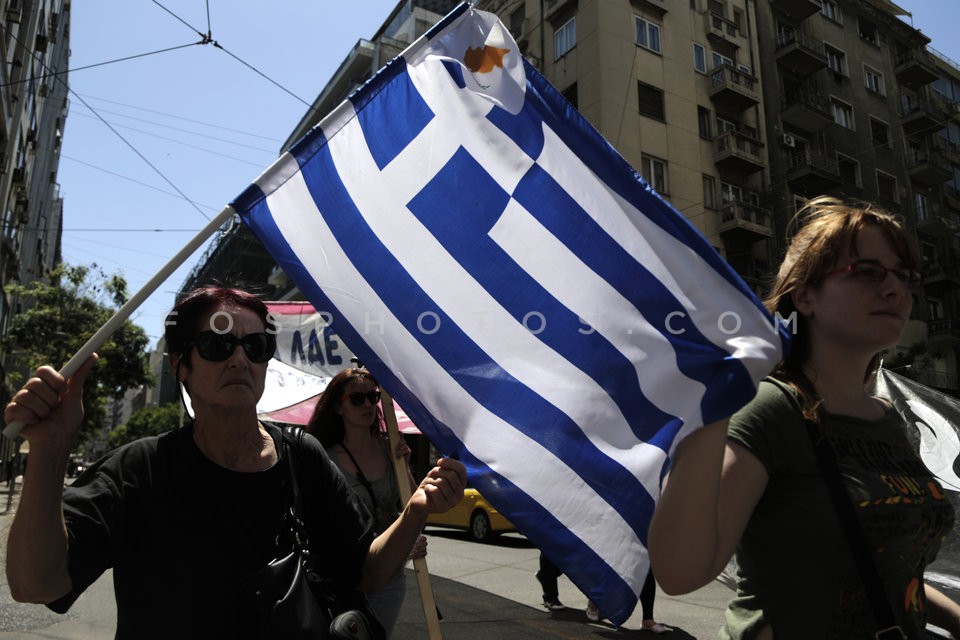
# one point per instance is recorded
(34, 52)
(737, 110)
(860, 107)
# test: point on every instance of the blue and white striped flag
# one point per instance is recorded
(533, 305)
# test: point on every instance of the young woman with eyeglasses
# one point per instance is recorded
(755, 486)
(183, 517)
(347, 421)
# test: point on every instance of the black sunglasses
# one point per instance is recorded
(217, 347)
(357, 398)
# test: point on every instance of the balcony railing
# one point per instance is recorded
(800, 52)
(734, 87)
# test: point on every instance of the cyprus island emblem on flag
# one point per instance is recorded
(483, 56)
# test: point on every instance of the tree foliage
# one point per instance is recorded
(148, 421)
(59, 314)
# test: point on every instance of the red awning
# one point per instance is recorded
(300, 414)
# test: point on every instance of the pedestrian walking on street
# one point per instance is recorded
(547, 576)
(348, 423)
(183, 517)
(815, 483)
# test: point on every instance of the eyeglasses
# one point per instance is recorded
(357, 398)
(876, 273)
(217, 347)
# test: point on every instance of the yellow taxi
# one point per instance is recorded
(474, 514)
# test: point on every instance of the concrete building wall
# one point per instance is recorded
(34, 54)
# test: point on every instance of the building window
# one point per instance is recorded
(849, 170)
(719, 60)
(516, 21)
(710, 193)
(887, 186)
(831, 10)
(648, 34)
(920, 201)
(699, 58)
(836, 60)
(731, 192)
(703, 120)
(651, 101)
(724, 125)
(654, 171)
(868, 30)
(934, 309)
(873, 80)
(565, 38)
(570, 93)
(842, 113)
(879, 133)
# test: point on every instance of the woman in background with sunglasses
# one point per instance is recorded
(347, 422)
(181, 518)
(761, 486)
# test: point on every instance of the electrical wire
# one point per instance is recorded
(171, 115)
(43, 64)
(190, 131)
(208, 39)
(133, 180)
(258, 165)
(98, 64)
(126, 230)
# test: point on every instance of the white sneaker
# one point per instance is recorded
(593, 614)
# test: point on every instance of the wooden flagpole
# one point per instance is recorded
(403, 483)
(124, 312)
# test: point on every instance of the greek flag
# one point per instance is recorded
(539, 312)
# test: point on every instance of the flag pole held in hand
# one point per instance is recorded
(403, 483)
(12, 430)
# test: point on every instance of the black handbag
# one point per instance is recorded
(294, 599)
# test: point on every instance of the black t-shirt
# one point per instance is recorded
(180, 531)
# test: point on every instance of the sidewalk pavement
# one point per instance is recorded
(473, 614)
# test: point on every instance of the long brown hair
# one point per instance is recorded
(326, 424)
(826, 229)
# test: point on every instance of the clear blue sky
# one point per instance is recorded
(209, 123)
(205, 120)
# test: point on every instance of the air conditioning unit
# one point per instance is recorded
(788, 140)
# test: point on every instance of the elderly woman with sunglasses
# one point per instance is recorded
(181, 518)
(763, 485)
(347, 422)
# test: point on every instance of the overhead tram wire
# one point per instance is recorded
(176, 117)
(156, 169)
(258, 165)
(54, 74)
(134, 180)
(182, 130)
(208, 39)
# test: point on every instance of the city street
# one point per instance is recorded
(483, 591)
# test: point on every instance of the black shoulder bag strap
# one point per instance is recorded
(857, 541)
(362, 478)
(302, 540)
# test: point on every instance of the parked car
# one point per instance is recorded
(474, 514)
